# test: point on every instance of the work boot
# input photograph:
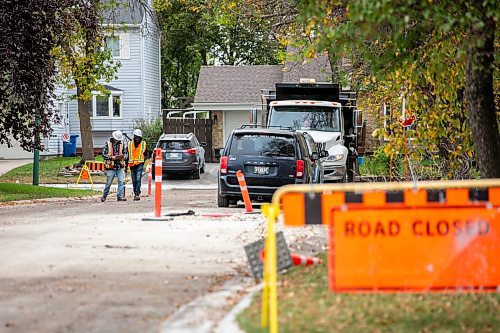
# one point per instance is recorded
(136, 197)
(121, 199)
(103, 198)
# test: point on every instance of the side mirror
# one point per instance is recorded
(315, 156)
(203, 144)
(324, 153)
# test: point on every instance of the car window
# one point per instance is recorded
(303, 146)
(310, 144)
(262, 145)
(175, 144)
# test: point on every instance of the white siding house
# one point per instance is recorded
(135, 94)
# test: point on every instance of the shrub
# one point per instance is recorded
(151, 131)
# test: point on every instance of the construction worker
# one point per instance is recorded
(137, 151)
(115, 154)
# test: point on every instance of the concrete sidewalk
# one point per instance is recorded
(7, 165)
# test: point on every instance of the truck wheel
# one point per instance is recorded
(222, 201)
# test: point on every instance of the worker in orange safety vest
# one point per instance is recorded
(115, 155)
(137, 152)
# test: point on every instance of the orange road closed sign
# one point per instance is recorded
(415, 249)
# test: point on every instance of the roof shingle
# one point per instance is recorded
(238, 84)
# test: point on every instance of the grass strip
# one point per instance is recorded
(307, 305)
(48, 172)
(15, 192)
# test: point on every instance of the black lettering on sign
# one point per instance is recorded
(443, 228)
(417, 228)
(457, 227)
(379, 229)
(484, 227)
(349, 228)
(469, 228)
(394, 228)
(364, 228)
(428, 229)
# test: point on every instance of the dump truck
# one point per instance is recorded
(323, 110)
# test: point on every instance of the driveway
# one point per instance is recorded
(7, 165)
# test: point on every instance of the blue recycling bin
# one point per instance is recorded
(69, 148)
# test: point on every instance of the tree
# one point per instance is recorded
(30, 30)
(428, 54)
(199, 33)
(84, 62)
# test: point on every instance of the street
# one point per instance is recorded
(85, 266)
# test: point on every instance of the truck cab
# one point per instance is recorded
(328, 114)
(323, 120)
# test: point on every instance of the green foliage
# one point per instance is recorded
(83, 60)
(151, 131)
(196, 33)
(30, 29)
(402, 50)
(375, 165)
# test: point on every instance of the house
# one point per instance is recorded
(135, 94)
(230, 92)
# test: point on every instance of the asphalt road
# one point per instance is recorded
(86, 266)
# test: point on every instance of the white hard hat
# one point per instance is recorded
(138, 132)
(117, 135)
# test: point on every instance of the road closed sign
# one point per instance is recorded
(415, 249)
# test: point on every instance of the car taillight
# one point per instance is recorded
(223, 164)
(299, 168)
(191, 151)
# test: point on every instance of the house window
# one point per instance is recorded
(117, 106)
(113, 44)
(107, 106)
(102, 106)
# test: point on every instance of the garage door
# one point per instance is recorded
(234, 119)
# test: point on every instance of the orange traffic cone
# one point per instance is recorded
(244, 191)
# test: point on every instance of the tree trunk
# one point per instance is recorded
(480, 99)
(85, 129)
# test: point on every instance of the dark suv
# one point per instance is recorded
(269, 158)
(182, 153)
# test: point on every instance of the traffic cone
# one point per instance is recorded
(300, 260)
(297, 259)
(244, 191)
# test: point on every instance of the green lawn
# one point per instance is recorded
(307, 305)
(14, 192)
(49, 170)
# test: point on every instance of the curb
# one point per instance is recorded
(228, 324)
(202, 315)
(46, 201)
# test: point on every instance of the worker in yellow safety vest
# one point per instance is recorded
(137, 152)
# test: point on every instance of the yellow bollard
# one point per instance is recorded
(270, 293)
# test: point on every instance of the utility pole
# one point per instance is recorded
(36, 153)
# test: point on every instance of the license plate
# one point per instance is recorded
(261, 170)
(174, 156)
